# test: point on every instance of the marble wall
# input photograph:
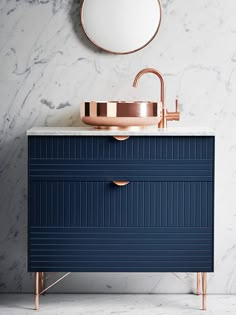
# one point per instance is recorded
(48, 67)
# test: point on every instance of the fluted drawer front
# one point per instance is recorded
(135, 159)
(134, 148)
(121, 249)
(162, 220)
(138, 204)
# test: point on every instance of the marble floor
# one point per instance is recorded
(116, 304)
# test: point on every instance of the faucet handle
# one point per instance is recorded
(173, 115)
(176, 105)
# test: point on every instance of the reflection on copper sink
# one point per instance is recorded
(121, 114)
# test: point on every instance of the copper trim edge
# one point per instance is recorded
(120, 183)
(120, 53)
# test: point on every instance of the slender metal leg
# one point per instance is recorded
(204, 289)
(198, 283)
(36, 290)
(42, 282)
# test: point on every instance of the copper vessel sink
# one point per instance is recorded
(121, 114)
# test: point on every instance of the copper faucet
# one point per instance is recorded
(166, 116)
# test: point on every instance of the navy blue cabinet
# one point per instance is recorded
(161, 221)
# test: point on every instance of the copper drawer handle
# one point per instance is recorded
(121, 138)
(120, 183)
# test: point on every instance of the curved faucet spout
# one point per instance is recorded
(166, 115)
(162, 123)
(154, 71)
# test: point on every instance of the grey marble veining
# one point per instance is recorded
(48, 67)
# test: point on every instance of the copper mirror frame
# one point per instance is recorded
(123, 52)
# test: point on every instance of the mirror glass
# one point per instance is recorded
(121, 26)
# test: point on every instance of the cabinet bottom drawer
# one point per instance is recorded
(121, 249)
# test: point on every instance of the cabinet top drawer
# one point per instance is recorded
(134, 148)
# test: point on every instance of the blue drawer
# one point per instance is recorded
(96, 226)
(121, 249)
(135, 159)
(103, 204)
(108, 148)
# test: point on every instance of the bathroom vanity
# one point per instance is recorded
(120, 201)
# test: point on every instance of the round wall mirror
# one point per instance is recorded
(121, 26)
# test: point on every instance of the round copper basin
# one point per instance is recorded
(121, 113)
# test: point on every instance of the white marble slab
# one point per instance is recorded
(88, 131)
(117, 304)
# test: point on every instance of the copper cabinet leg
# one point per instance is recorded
(36, 290)
(204, 289)
(198, 283)
(42, 281)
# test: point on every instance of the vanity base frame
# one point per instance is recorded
(144, 204)
(40, 288)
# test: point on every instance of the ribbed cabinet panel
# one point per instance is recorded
(121, 249)
(139, 204)
(163, 220)
(134, 148)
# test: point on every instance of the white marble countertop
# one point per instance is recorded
(89, 131)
